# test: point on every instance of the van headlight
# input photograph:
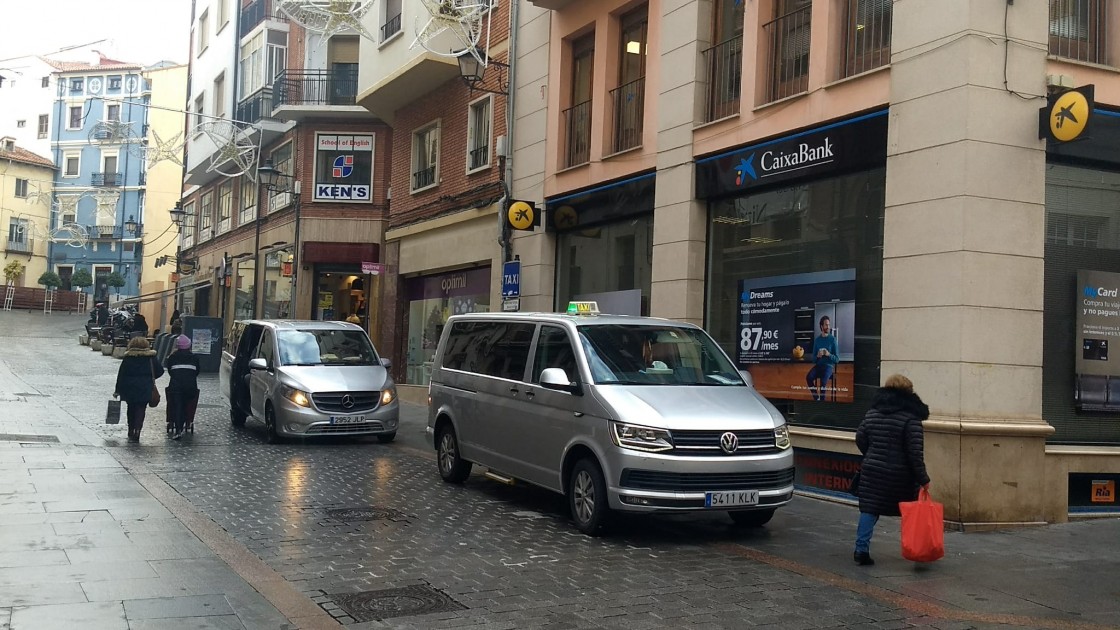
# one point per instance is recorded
(641, 438)
(781, 436)
(298, 396)
(388, 395)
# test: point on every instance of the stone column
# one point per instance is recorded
(963, 248)
(679, 219)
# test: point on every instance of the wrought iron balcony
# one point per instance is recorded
(788, 61)
(391, 27)
(724, 62)
(577, 129)
(106, 180)
(1079, 30)
(629, 114)
(256, 107)
(316, 87)
(254, 13)
(423, 178)
(25, 245)
(479, 157)
(868, 41)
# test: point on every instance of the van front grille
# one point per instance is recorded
(337, 401)
(757, 442)
(704, 482)
(327, 429)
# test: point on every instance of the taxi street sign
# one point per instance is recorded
(523, 215)
(511, 279)
(1067, 115)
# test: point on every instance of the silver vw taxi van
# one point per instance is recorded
(615, 412)
(308, 378)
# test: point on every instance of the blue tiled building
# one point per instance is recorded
(99, 121)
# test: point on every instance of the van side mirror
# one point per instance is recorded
(386, 363)
(258, 364)
(557, 379)
(747, 377)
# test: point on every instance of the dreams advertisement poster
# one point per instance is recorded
(797, 335)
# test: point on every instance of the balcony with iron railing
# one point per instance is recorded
(867, 43)
(297, 94)
(106, 180)
(479, 157)
(724, 63)
(577, 134)
(1078, 30)
(788, 59)
(423, 178)
(21, 245)
(257, 107)
(254, 13)
(629, 102)
(391, 27)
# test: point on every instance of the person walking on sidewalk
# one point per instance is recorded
(136, 382)
(893, 446)
(182, 391)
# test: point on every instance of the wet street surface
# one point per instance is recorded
(370, 534)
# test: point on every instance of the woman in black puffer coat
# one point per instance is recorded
(135, 380)
(893, 446)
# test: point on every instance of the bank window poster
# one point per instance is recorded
(1097, 358)
(344, 168)
(797, 335)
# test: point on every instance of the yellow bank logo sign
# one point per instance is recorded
(1103, 491)
(1066, 115)
(522, 215)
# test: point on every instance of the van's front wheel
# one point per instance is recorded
(452, 467)
(587, 497)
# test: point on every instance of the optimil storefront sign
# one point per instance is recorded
(848, 145)
(343, 168)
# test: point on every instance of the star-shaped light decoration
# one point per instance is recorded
(72, 234)
(329, 17)
(37, 195)
(462, 18)
(68, 203)
(234, 153)
(106, 206)
(170, 150)
(110, 132)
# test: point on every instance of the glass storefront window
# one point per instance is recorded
(433, 299)
(277, 284)
(244, 289)
(611, 264)
(1082, 233)
(825, 225)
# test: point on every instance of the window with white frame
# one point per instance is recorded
(71, 164)
(113, 113)
(75, 119)
(46, 81)
(479, 128)
(262, 58)
(425, 157)
(76, 85)
(206, 215)
(21, 188)
(44, 125)
(199, 109)
(189, 222)
(203, 32)
(248, 201)
(220, 96)
(390, 18)
(20, 124)
(223, 13)
(17, 231)
(225, 205)
(282, 160)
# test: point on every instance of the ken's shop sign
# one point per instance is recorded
(343, 168)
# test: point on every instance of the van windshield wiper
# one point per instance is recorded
(301, 364)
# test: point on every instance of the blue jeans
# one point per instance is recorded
(823, 372)
(864, 531)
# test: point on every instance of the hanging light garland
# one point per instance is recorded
(328, 17)
(464, 20)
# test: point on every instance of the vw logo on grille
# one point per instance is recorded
(347, 402)
(729, 442)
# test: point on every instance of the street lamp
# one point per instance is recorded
(473, 73)
(178, 215)
(274, 180)
(131, 225)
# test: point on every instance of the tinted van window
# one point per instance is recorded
(554, 350)
(499, 349)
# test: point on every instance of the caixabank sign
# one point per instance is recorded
(343, 168)
(844, 146)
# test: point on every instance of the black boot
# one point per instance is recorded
(863, 558)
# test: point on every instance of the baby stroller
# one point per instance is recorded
(189, 411)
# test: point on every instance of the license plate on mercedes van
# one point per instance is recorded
(730, 499)
(348, 419)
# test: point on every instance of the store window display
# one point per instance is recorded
(431, 301)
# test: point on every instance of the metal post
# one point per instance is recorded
(295, 255)
(257, 249)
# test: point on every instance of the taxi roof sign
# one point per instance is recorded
(583, 308)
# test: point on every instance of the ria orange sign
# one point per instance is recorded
(1104, 491)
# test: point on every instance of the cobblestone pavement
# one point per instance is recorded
(495, 556)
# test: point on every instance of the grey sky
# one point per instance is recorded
(140, 31)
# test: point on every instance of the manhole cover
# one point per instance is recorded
(366, 514)
(395, 602)
(15, 437)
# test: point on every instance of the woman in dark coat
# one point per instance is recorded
(135, 380)
(893, 445)
(182, 391)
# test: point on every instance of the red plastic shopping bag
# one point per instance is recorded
(923, 528)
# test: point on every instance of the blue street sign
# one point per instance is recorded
(511, 279)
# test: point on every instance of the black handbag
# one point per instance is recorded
(113, 412)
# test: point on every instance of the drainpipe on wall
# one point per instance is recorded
(504, 232)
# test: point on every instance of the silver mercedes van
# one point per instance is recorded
(615, 412)
(308, 378)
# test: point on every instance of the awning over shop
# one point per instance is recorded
(159, 295)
